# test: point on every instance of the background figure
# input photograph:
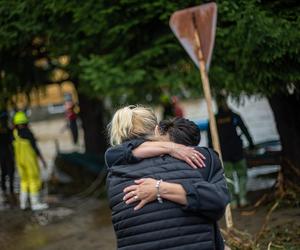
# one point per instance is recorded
(167, 106)
(71, 117)
(6, 156)
(26, 155)
(178, 112)
(171, 107)
(232, 150)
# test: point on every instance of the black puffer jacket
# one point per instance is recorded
(169, 225)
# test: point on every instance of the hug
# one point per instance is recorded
(164, 191)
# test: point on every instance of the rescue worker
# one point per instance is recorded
(232, 150)
(26, 155)
(6, 156)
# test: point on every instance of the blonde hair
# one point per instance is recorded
(131, 122)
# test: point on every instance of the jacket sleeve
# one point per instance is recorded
(122, 154)
(209, 198)
(244, 129)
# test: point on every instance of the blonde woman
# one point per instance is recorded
(132, 126)
(180, 205)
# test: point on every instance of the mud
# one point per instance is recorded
(73, 224)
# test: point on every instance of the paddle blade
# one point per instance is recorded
(182, 25)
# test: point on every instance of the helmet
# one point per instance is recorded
(20, 118)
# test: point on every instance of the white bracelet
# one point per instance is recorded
(158, 197)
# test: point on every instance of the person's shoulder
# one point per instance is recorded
(112, 155)
(209, 153)
(235, 114)
(107, 152)
(23, 132)
(134, 143)
(122, 153)
(204, 150)
(131, 144)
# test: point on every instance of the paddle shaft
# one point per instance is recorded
(212, 119)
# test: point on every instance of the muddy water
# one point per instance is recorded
(73, 224)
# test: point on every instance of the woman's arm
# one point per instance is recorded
(138, 149)
(155, 148)
(145, 191)
(152, 148)
(208, 198)
(122, 154)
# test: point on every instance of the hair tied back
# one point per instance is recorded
(165, 126)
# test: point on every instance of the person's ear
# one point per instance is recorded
(156, 131)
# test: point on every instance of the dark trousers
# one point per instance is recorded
(74, 130)
(7, 170)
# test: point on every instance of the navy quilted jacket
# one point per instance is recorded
(169, 225)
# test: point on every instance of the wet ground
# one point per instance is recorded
(72, 224)
(78, 224)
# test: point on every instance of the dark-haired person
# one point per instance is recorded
(181, 205)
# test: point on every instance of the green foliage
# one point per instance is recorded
(257, 47)
(125, 50)
(141, 56)
(256, 51)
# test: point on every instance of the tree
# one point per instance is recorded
(124, 52)
(142, 56)
(257, 52)
(93, 35)
(43, 31)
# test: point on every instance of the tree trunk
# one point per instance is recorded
(92, 117)
(287, 115)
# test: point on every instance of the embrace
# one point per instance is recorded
(165, 192)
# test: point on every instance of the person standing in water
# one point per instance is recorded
(232, 150)
(26, 156)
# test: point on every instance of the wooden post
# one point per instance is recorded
(212, 120)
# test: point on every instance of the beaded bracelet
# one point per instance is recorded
(159, 199)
